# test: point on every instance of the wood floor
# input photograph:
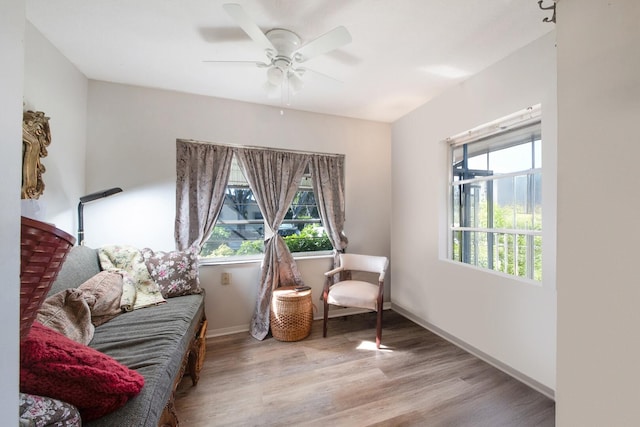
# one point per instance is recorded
(418, 380)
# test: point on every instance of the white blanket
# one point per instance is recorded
(129, 261)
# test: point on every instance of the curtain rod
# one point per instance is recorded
(255, 147)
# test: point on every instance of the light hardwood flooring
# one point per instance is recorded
(417, 379)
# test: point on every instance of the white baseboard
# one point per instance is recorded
(336, 312)
(550, 393)
(226, 331)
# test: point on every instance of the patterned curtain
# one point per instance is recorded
(202, 173)
(327, 173)
(274, 176)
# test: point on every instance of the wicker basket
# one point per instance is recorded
(43, 249)
(291, 314)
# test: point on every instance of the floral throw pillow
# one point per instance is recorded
(45, 411)
(176, 272)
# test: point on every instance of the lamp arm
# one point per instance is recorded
(89, 198)
(80, 224)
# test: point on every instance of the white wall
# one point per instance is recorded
(131, 144)
(511, 321)
(54, 85)
(598, 203)
(598, 69)
(11, 50)
(130, 135)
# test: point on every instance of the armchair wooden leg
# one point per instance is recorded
(379, 328)
(326, 317)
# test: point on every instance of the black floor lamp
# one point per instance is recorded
(90, 198)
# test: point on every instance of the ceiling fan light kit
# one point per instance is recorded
(284, 50)
(275, 75)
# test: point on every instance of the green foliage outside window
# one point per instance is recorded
(222, 250)
(509, 250)
(311, 238)
(250, 247)
(218, 240)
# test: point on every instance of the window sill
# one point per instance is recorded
(258, 259)
(520, 279)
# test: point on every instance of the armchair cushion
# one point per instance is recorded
(354, 293)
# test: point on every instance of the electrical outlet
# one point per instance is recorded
(226, 278)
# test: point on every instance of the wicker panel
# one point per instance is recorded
(43, 249)
(291, 314)
(201, 345)
(198, 353)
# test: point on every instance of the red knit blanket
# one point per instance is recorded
(53, 365)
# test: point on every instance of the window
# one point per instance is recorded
(496, 197)
(240, 227)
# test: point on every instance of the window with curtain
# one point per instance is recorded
(278, 181)
(239, 230)
(496, 196)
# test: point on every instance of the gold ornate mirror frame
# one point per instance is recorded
(36, 137)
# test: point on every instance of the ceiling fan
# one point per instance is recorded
(284, 50)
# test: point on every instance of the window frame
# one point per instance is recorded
(529, 118)
(305, 185)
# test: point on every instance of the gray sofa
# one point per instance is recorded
(162, 343)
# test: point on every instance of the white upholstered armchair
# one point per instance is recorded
(356, 293)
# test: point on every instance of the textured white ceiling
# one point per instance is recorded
(403, 53)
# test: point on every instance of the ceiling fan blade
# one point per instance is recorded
(244, 21)
(256, 63)
(327, 42)
(302, 70)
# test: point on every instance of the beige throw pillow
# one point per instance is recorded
(68, 313)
